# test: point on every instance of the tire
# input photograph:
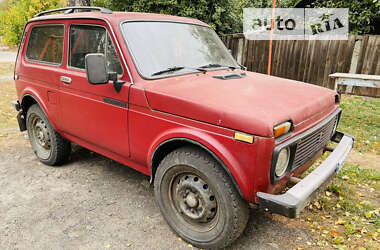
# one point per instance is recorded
(198, 200)
(49, 146)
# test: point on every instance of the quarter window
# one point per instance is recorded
(46, 44)
(85, 39)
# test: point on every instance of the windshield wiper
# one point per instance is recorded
(216, 65)
(171, 69)
(176, 68)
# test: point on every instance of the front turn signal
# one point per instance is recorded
(282, 129)
(243, 137)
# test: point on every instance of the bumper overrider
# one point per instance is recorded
(291, 203)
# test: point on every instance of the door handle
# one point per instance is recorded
(66, 79)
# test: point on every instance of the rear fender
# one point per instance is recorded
(31, 93)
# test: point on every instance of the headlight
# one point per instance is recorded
(282, 162)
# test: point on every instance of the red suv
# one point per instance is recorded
(163, 95)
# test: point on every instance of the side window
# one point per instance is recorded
(85, 39)
(46, 44)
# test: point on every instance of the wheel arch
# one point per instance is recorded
(169, 145)
(28, 99)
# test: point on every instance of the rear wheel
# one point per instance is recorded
(49, 146)
(198, 199)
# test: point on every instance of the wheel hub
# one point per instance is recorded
(195, 199)
(192, 200)
(41, 134)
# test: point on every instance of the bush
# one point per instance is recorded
(19, 12)
(222, 15)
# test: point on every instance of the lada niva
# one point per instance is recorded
(163, 95)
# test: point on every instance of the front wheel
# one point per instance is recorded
(198, 200)
(49, 146)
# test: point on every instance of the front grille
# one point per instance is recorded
(309, 145)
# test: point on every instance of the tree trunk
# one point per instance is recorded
(78, 3)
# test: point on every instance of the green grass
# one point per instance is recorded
(348, 213)
(361, 118)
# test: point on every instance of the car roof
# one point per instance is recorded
(117, 17)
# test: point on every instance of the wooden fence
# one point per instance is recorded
(311, 61)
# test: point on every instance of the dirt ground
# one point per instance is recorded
(93, 203)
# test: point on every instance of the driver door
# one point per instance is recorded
(95, 114)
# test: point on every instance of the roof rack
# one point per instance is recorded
(70, 10)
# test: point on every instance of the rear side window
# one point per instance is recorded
(46, 44)
(85, 39)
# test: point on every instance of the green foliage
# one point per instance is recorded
(225, 16)
(19, 12)
(361, 14)
(222, 15)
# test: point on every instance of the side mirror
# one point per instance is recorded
(96, 71)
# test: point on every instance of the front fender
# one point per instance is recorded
(222, 148)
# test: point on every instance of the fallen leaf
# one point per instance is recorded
(308, 243)
(338, 240)
(334, 233)
(317, 205)
(368, 214)
(320, 244)
(374, 235)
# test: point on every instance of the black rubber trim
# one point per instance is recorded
(21, 121)
(292, 144)
(290, 206)
(114, 102)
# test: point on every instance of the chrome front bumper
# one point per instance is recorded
(291, 203)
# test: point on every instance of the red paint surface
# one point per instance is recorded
(195, 106)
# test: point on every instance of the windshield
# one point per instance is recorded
(162, 49)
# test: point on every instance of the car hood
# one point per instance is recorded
(252, 104)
